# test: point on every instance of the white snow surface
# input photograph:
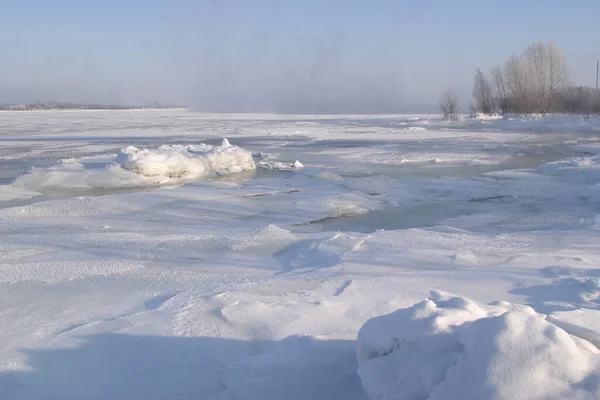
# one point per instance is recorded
(144, 257)
(449, 347)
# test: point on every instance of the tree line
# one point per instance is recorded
(537, 80)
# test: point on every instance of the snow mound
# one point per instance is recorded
(449, 347)
(186, 161)
(583, 323)
(137, 168)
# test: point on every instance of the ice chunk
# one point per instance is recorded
(449, 347)
(269, 163)
(136, 168)
(189, 161)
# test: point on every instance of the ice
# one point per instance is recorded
(9, 193)
(135, 262)
(414, 128)
(189, 162)
(593, 148)
(138, 168)
(449, 347)
(268, 162)
(547, 123)
(587, 168)
(71, 174)
(487, 117)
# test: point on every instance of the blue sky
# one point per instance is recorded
(289, 56)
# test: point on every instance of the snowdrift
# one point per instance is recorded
(449, 347)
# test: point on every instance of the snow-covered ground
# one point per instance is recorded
(143, 256)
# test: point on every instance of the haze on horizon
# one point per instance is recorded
(277, 56)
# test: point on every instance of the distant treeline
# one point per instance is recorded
(53, 105)
(535, 81)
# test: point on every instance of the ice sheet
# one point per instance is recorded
(255, 284)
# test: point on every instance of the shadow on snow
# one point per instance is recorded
(119, 366)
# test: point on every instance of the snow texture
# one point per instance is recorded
(143, 257)
(449, 347)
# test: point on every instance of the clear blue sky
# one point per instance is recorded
(268, 55)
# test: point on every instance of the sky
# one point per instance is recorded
(302, 56)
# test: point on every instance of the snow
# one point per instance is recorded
(449, 347)
(135, 168)
(144, 257)
(177, 161)
(487, 117)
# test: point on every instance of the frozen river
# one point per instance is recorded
(144, 257)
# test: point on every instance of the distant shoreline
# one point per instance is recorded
(66, 106)
(25, 110)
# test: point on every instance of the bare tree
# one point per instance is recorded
(536, 79)
(517, 73)
(535, 60)
(501, 94)
(558, 75)
(483, 94)
(582, 100)
(449, 105)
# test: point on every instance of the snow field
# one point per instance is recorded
(257, 284)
